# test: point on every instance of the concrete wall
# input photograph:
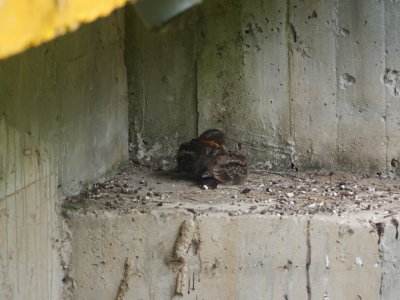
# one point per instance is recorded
(244, 257)
(301, 83)
(63, 123)
(162, 85)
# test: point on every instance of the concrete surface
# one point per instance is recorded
(243, 257)
(63, 123)
(309, 236)
(162, 85)
(295, 84)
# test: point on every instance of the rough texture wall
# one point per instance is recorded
(162, 85)
(63, 123)
(296, 84)
(243, 257)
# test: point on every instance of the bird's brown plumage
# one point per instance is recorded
(207, 159)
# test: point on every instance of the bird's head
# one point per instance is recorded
(213, 137)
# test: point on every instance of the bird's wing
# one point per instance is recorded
(231, 166)
(186, 157)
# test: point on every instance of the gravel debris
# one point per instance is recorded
(143, 189)
(246, 191)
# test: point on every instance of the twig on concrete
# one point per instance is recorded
(189, 198)
(123, 286)
(282, 174)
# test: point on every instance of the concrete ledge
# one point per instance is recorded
(250, 256)
(257, 256)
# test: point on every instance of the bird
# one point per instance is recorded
(206, 159)
(197, 155)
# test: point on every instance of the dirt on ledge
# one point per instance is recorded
(144, 189)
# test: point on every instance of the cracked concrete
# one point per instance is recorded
(308, 260)
(265, 256)
(274, 237)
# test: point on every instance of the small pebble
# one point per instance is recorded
(246, 191)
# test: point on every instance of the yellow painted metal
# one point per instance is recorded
(27, 23)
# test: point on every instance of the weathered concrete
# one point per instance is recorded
(392, 62)
(242, 77)
(162, 85)
(63, 123)
(312, 71)
(295, 84)
(286, 237)
(361, 106)
(253, 256)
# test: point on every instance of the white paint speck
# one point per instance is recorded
(327, 261)
(358, 261)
